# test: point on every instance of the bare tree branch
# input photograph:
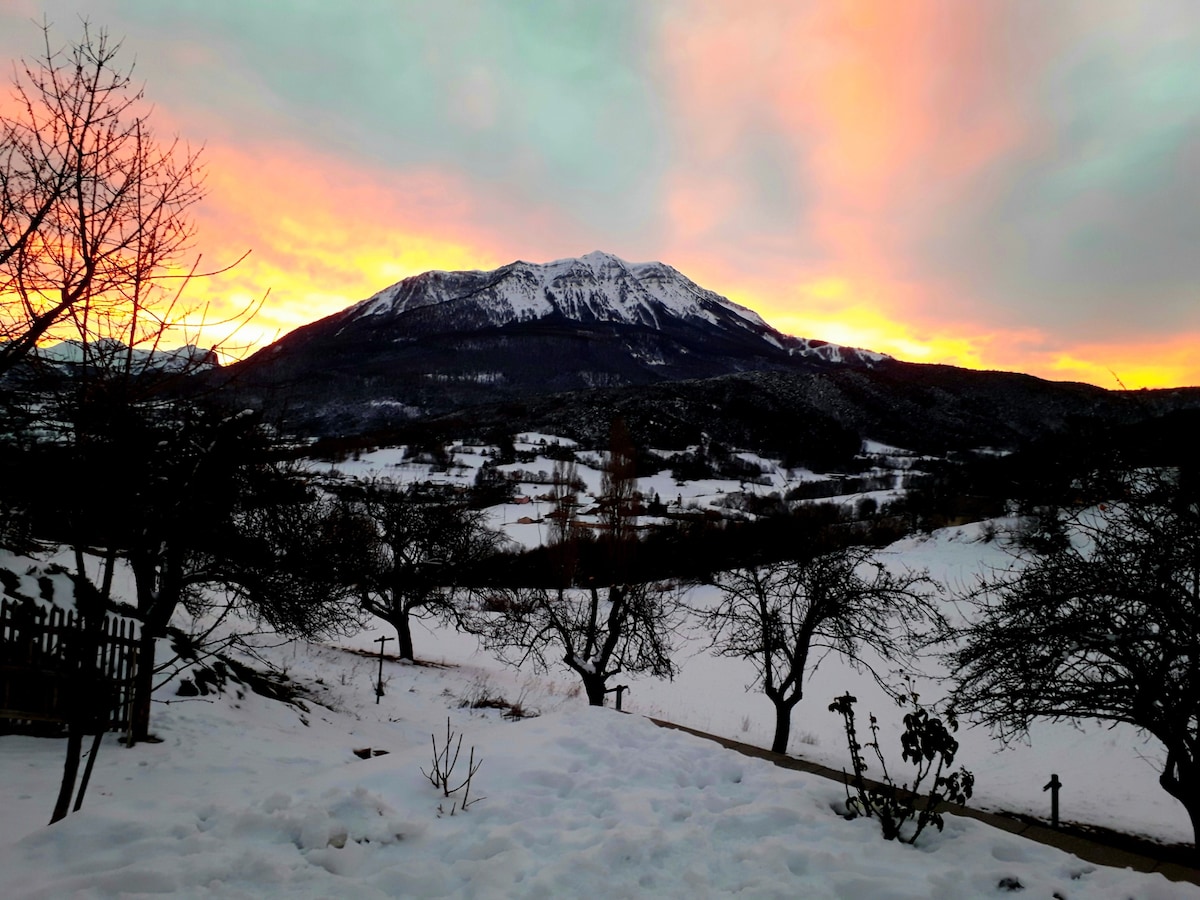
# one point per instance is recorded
(94, 210)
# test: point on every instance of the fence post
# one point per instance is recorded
(618, 690)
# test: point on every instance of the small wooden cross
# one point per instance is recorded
(379, 687)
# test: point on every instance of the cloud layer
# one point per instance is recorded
(1002, 183)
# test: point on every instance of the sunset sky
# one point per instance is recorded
(1007, 184)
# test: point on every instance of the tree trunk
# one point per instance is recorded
(783, 728)
(594, 686)
(1192, 805)
(84, 688)
(783, 724)
(404, 641)
(1193, 810)
(156, 603)
(66, 790)
(91, 764)
(1181, 779)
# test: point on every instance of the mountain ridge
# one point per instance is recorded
(573, 343)
(678, 294)
(439, 341)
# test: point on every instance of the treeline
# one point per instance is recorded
(693, 547)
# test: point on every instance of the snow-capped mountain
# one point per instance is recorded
(445, 340)
(110, 353)
(594, 288)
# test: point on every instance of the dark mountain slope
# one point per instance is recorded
(822, 417)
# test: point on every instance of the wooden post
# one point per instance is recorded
(1053, 787)
(379, 686)
(619, 690)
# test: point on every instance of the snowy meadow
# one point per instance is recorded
(248, 797)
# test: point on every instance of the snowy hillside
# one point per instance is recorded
(248, 798)
(1112, 771)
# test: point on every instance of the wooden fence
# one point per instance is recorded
(44, 680)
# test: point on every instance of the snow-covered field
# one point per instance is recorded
(248, 797)
(522, 521)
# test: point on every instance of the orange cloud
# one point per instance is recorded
(889, 108)
(1157, 363)
(322, 235)
(812, 148)
(846, 311)
(906, 105)
(883, 113)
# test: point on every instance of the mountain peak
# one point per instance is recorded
(447, 340)
(603, 258)
(595, 287)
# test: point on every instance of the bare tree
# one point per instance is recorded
(425, 537)
(603, 624)
(1103, 624)
(187, 474)
(94, 224)
(194, 499)
(785, 616)
(289, 559)
(619, 500)
(95, 240)
(597, 632)
(194, 502)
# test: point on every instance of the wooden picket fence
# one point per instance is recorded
(42, 679)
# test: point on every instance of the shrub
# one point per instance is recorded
(928, 743)
(441, 771)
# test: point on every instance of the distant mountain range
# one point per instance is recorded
(110, 353)
(568, 345)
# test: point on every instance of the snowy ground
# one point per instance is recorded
(1110, 775)
(523, 521)
(247, 797)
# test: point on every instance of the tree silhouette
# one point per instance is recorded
(422, 539)
(1103, 624)
(606, 622)
(781, 615)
